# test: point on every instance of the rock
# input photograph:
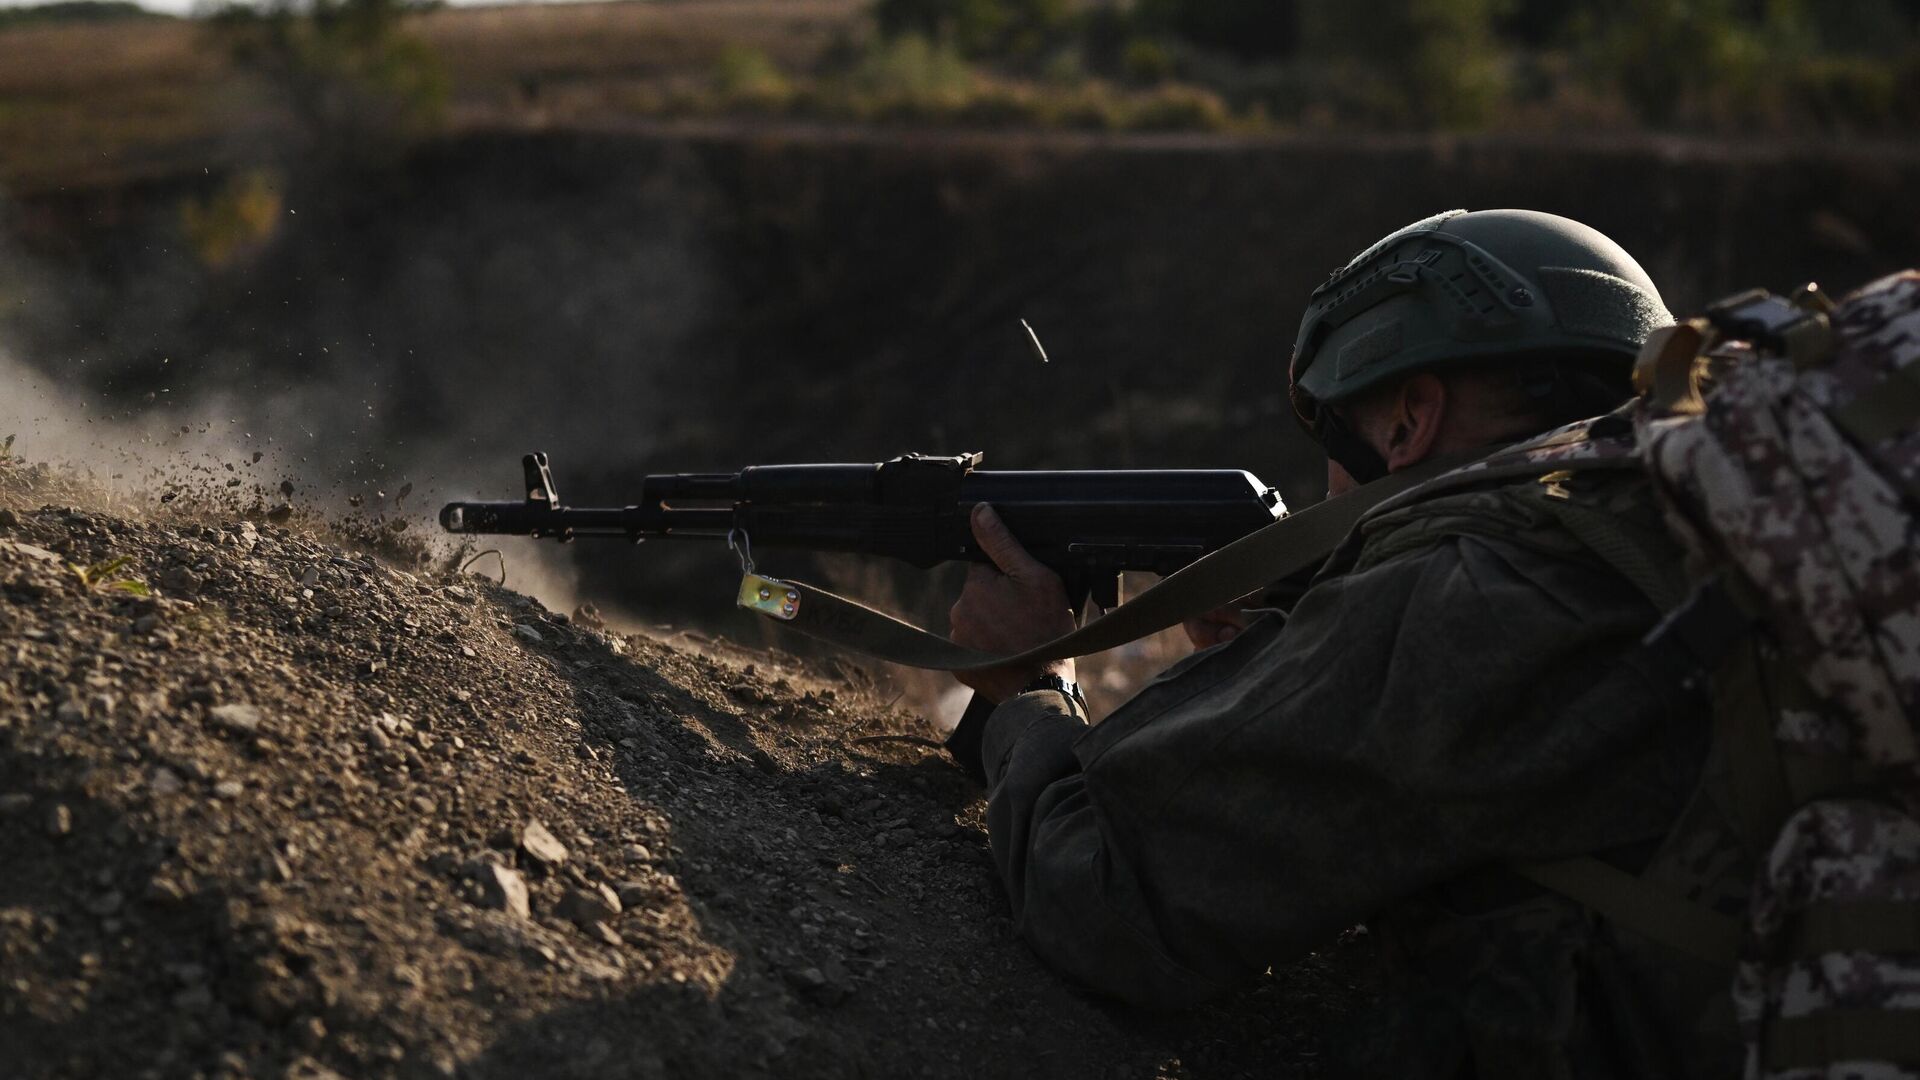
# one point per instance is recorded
(186, 974)
(502, 888)
(633, 894)
(180, 582)
(165, 782)
(310, 578)
(9, 519)
(239, 719)
(309, 1031)
(527, 634)
(828, 984)
(146, 624)
(542, 846)
(59, 820)
(636, 853)
(807, 978)
(228, 789)
(306, 1068)
(165, 892)
(461, 594)
(584, 907)
(15, 802)
(30, 551)
(193, 999)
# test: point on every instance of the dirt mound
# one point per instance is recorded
(273, 808)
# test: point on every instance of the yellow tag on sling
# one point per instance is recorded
(770, 597)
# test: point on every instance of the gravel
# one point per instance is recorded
(280, 836)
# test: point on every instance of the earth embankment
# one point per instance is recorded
(270, 806)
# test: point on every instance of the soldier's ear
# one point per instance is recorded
(1418, 416)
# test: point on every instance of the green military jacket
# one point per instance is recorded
(1460, 690)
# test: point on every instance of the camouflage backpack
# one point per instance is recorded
(1783, 440)
(1794, 480)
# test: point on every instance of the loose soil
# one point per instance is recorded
(297, 812)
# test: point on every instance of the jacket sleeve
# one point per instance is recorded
(1468, 705)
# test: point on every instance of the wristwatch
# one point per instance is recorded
(1064, 686)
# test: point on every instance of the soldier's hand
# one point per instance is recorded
(1215, 627)
(1011, 606)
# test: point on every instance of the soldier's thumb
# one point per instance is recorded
(1002, 546)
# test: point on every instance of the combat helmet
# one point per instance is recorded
(1464, 288)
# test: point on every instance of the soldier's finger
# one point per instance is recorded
(1006, 551)
(979, 576)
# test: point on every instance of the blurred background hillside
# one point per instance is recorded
(86, 80)
(390, 247)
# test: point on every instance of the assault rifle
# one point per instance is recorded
(1089, 526)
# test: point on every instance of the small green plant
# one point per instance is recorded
(1146, 60)
(103, 575)
(979, 28)
(234, 221)
(748, 77)
(916, 71)
(1173, 107)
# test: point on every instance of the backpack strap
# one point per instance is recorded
(1638, 557)
(1889, 408)
(1632, 902)
(1818, 1040)
(1705, 630)
(1880, 926)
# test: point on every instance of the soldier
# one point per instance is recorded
(1456, 694)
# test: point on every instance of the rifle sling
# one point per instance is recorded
(1287, 546)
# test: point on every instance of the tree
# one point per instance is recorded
(355, 81)
(1434, 63)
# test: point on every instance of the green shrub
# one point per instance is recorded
(74, 11)
(1430, 63)
(355, 81)
(1662, 55)
(1849, 91)
(1001, 106)
(1146, 60)
(980, 28)
(744, 76)
(235, 220)
(1248, 29)
(913, 71)
(1175, 107)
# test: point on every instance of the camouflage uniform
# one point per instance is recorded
(1460, 690)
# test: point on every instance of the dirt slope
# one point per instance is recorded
(298, 813)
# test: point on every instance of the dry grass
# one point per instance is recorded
(107, 102)
(487, 46)
(78, 59)
(79, 102)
